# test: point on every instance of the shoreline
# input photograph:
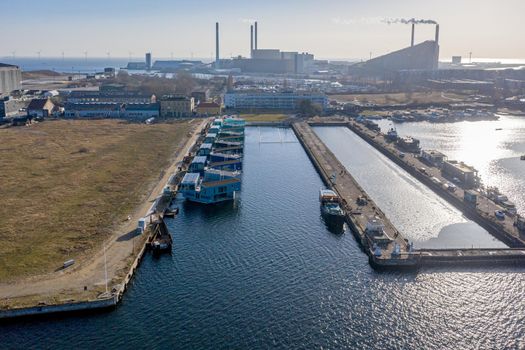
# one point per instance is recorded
(121, 264)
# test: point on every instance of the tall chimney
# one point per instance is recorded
(413, 34)
(437, 34)
(255, 35)
(251, 41)
(217, 45)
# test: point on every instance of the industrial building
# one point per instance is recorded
(174, 65)
(176, 106)
(270, 61)
(10, 78)
(423, 56)
(271, 100)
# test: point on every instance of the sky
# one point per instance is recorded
(334, 29)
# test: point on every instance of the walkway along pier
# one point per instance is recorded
(395, 250)
(380, 239)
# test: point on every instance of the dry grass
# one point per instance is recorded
(401, 98)
(268, 117)
(65, 184)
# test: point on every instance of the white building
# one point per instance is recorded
(272, 100)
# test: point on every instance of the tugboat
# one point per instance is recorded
(330, 206)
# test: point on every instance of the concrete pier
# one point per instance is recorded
(359, 212)
(357, 216)
(482, 214)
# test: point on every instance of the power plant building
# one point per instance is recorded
(271, 61)
(272, 100)
(423, 56)
(10, 78)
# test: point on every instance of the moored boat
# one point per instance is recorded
(331, 206)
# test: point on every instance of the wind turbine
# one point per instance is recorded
(130, 55)
(14, 54)
(109, 55)
(39, 52)
(85, 55)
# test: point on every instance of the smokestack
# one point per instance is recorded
(217, 45)
(255, 35)
(251, 41)
(437, 33)
(413, 34)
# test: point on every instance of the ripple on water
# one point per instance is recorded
(266, 273)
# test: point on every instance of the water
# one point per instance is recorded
(68, 65)
(419, 214)
(266, 273)
(494, 153)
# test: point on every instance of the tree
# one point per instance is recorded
(307, 108)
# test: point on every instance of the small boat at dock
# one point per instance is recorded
(331, 206)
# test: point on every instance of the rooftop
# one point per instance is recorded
(199, 159)
(92, 106)
(191, 178)
(37, 103)
(175, 98)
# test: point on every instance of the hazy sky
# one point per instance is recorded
(327, 28)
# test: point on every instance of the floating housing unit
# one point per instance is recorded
(215, 173)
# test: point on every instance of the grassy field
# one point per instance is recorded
(416, 97)
(66, 184)
(264, 117)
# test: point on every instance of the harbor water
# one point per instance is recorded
(492, 147)
(265, 272)
(416, 211)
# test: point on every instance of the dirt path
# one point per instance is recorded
(118, 250)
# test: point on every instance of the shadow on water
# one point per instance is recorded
(210, 212)
(334, 227)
